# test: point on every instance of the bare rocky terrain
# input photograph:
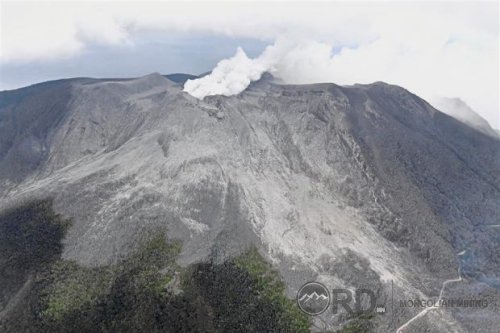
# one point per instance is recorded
(353, 186)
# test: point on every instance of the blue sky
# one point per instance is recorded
(149, 52)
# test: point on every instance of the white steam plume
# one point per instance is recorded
(232, 76)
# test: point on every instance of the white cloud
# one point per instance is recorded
(459, 110)
(441, 48)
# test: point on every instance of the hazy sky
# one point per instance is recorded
(433, 49)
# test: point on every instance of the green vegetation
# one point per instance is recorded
(147, 292)
(30, 238)
(245, 295)
(30, 235)
(72, 288)
(270, 287)
(118, 298)
(359, 324)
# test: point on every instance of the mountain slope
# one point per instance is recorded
(352, 186)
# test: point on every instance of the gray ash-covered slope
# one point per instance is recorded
(29, 115)
(352, 186)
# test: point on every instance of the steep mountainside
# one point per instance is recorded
(354, 186)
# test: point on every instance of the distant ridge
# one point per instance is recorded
(181, 78)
